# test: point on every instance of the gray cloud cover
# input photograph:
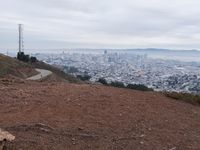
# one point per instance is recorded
(101, 23)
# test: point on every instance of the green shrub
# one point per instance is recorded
(103, 81)
(84, 77)
(139, 87)
(117, 84)
(25, 58)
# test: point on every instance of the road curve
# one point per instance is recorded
(42, 74)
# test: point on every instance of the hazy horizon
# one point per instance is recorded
(110, 24)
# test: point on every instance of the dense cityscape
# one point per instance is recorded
(130, 68)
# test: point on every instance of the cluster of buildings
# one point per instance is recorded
(129, 68)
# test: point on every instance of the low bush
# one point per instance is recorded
(84, 77)
(118, 84)
(103, 81)
(186, 97)
(26, 58)
(139, 87)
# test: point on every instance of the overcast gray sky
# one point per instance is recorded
(101, 23)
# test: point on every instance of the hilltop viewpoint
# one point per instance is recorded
(60, 112)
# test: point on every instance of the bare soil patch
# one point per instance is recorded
(60, 116)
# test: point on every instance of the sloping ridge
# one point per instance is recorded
(41, 75)
(95, 117)
(12, 67)
(57, 74)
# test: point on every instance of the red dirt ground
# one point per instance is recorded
(61, 116)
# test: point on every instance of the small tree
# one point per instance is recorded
(139, 87)
(84, 77)
(117, 84)
(103, 81)
(33, 59)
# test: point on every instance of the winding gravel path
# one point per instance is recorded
(42, 74)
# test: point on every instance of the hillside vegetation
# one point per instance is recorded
(138, 87)
(58, 74)
(186, 97)
(12, 67)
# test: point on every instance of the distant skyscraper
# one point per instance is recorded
(105, 52)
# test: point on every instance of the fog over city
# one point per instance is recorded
(54, 24)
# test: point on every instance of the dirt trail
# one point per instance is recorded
(42, 74)
(61, 116)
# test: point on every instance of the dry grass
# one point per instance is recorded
(58, 75)
(14, 67)
(186, 97)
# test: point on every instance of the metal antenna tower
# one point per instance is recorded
(21, 40)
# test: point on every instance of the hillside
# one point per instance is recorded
(60, 116)
(11, 67)
(14, 68)
(58, 75)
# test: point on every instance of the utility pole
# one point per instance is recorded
(21, 42)
(21, 55)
